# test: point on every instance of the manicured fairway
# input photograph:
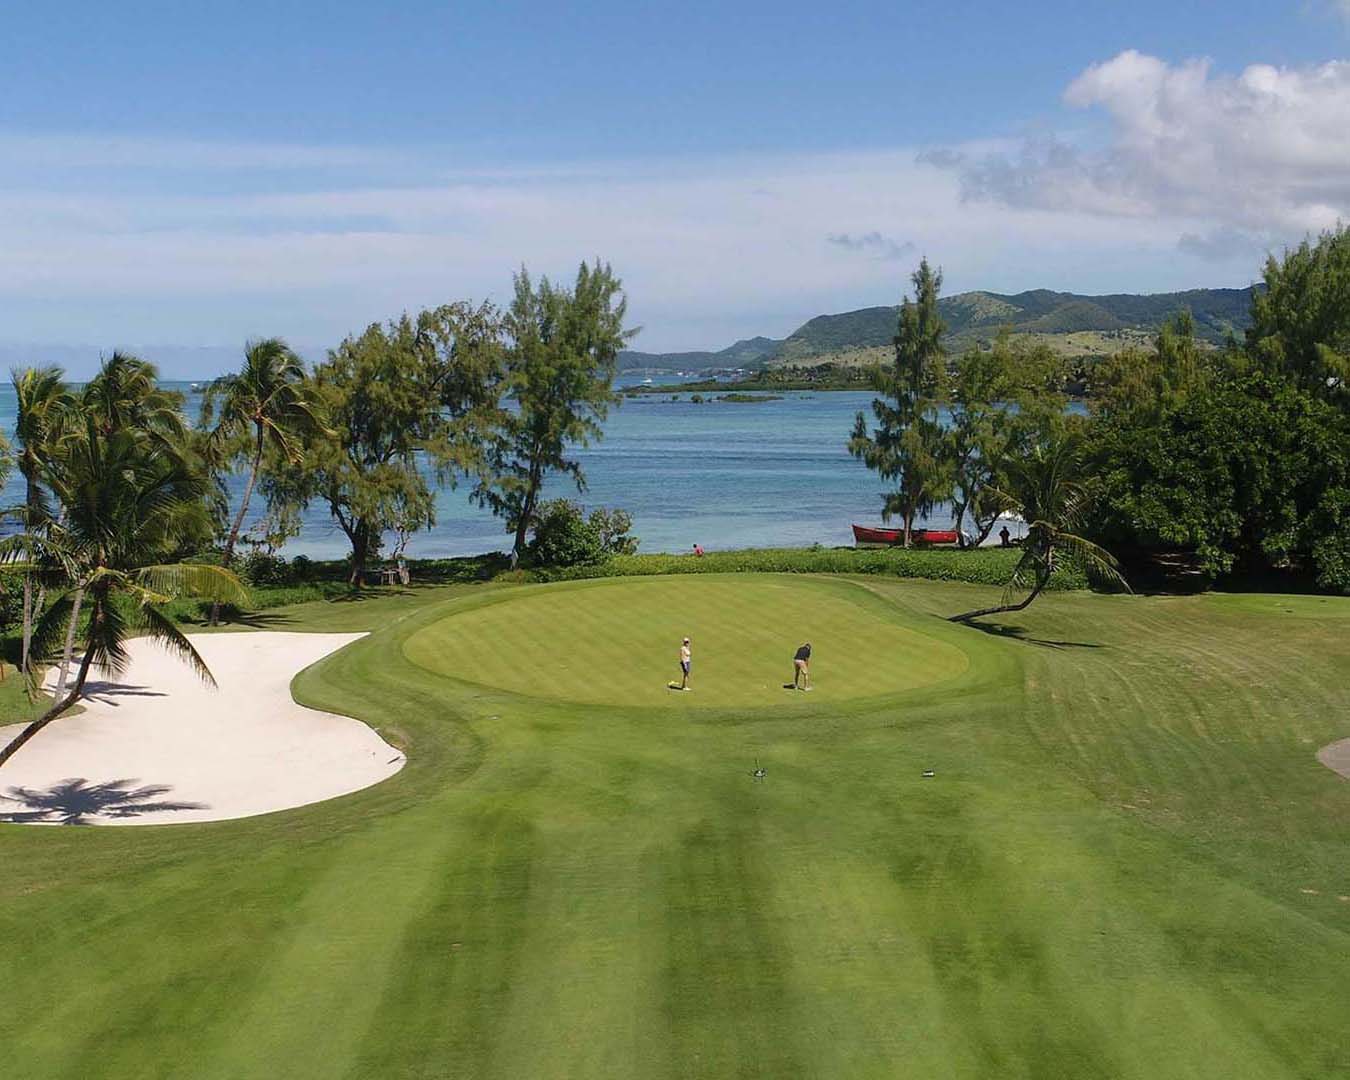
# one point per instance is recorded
(617, 643)
(1128, 864)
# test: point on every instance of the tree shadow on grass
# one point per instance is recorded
(257, 620)
(1019, 633)
(379, 592)
(229, 620)
(76, 801)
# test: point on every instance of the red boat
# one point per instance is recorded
(887, 537)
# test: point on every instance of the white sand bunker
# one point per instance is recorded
(160, 746)
(1336, 757)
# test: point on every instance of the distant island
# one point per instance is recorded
(1074, 325)
(748, 399)
(765, 384)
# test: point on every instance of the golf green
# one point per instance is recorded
(1127, 862)
(617, 643)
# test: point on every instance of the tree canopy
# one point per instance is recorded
(905, 447)
(1301, 320)
(400, 404)
(561, 357)
(131, 495)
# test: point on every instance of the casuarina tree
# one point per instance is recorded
(562, 354)
(403, 405)
(907, 446)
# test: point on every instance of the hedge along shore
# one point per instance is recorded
(980, 566)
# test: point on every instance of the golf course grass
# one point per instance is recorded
(617, 643)
(1128, 861)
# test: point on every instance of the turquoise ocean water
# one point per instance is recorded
(724, 475)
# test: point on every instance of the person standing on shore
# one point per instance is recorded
(685, 660)
(801, 668)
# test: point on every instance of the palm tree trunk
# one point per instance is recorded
(30, 499)
(27, 622)
(985, 529)
(70, 639)
(37, 607)
(228, 556)
(1041, 579)
(61, 706)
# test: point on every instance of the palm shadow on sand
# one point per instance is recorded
(76, 801)
(106, 693)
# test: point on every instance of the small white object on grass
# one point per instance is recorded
(929, 773)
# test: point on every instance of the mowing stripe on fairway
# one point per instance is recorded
(1128, 864)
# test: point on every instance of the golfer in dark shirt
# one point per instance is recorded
(801, 664)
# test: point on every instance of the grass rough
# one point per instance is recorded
(1128, 864)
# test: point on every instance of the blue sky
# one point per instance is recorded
(177, 173)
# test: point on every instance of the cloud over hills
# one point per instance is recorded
(1263, 152)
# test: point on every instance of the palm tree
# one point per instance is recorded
(266, 402)
(1046, 487)
(126, 495)
(44, 407)
(126, 393)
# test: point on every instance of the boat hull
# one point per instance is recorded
(866, 536)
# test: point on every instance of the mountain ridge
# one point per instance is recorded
(1073, 323)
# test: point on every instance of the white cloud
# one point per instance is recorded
(1265, 150)
(873, 244)
(710, 250)
(113, 151)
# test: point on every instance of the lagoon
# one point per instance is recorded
(720, 474)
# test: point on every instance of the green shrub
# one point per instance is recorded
(260, 598)
(615, 530)
(11, 598)
(983, 566)
(463, 569)
(563, 537)
(260, 568)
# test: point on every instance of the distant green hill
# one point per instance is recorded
(1070, 323)
(748, 353)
